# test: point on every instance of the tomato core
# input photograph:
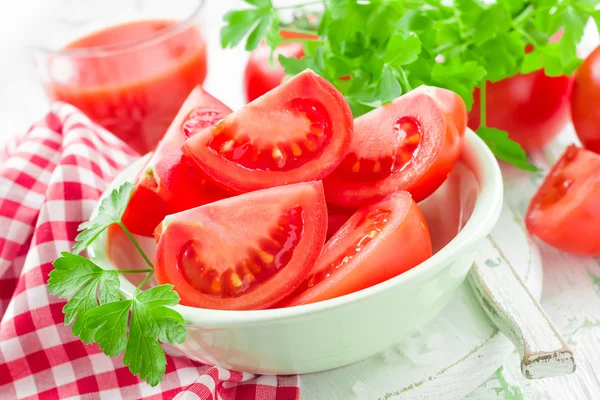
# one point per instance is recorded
(199, 119)
(284, 155)
(372, 223)
(407, 146)
(273, 253)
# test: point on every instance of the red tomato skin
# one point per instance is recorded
(175, 183)
(585, 102)
(533, 108)
(569, 221)
(436, 110)
(406, 246)
(171, 238)
(259, 76)
(239, 179)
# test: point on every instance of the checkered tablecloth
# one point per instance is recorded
(50, 180)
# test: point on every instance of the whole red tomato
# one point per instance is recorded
(585, 102)
(532, 108)
(259, 76)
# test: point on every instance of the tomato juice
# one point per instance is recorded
(130, 78)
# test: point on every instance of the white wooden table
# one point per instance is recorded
(571, 294)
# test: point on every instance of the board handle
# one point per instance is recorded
(510, 305)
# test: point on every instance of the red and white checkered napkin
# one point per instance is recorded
(50, 179)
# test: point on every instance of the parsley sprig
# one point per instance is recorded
(98, 308)
(384, 48)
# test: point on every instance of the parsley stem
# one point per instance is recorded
(524, 15)
(404, 81)
(137, 246)
(133, 271)
(482, 105)
(146, 279)
(308, 3)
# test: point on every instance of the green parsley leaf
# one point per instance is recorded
(109, 325)
(238, 24)
(402, 49)
(152, 320)
(388, 88)
(110, 212)
(383, 48)
(505, 149)
(78, 279)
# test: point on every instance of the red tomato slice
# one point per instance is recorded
(585, 102)
(244, 252)
(170, 182)
(378, 242)
(410, 144)
(564, 212)
(299, 131)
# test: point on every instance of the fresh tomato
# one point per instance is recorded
(378, 242)
(170, 183)
(336, 217)
(410, 144)
(532, 108)
(585, 102)
(299, 131)
(564, 213)
(259, 76)
(244, 252)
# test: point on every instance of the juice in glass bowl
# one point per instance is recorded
(131, 77)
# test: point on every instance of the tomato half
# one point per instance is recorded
(170, 182)
(410, 144)
(299, 131)
(532, 108)
(585, 102)
(259, 76)
(378, 242)
(244, 252)
(564, 212)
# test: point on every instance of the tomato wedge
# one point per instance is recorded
(378, 242)
(564, 212)
(244, 252)
(410, 144)
(170, 183)
(299, 131)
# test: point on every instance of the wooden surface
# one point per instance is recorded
(571, 295)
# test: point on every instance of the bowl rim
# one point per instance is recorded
(483, 218)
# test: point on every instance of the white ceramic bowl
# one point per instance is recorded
(343, 330)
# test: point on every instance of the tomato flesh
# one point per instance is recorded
(564, 212)
(284, 155)
(410, 144)
(585, 102)
(300, 131)
(170, 182)
(244, 252)
(378, 242)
